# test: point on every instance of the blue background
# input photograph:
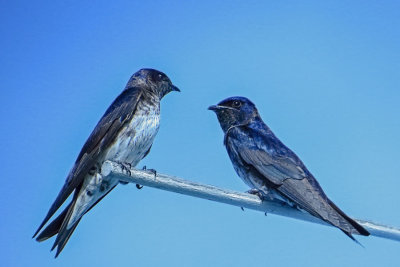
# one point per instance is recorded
(325, 78)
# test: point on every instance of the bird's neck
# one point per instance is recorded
(230, 129)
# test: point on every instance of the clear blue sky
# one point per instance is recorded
(324, 75)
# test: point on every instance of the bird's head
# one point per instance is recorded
(153, 80)
(234, 111)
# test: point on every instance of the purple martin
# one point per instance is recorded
(124, 134)
(271, 169)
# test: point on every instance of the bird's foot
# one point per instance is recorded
(256, 192)
(150, 170)
(138, 186)
(126, 167)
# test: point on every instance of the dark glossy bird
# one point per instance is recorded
(124, 134)
(271, 169)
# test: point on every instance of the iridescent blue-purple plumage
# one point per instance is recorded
(124, 134)
(271, 168)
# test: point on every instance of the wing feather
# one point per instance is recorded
(106, 130)
(275, 169)
(278, 165)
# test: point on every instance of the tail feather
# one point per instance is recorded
(54, 227)
(62, 196)
(352, 237)
(64, 233)
(59, 225)
(63, 238)
(361, 230)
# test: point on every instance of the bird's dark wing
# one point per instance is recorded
(289, 178)
(276, 169)
(277, 164)
(120, 112)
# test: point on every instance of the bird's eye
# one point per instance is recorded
(236, 104)
(157, 77)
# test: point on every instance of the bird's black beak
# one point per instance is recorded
(174, 88)
(214, 108)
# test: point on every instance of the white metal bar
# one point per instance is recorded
(245, 200)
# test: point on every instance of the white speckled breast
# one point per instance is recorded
(135, 140)
(130, 146)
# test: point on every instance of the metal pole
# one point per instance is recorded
(244, 200)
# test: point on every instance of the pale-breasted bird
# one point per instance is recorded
(270, 168)
(124, 134)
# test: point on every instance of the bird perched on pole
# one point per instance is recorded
(124, 134)
(271, 169)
